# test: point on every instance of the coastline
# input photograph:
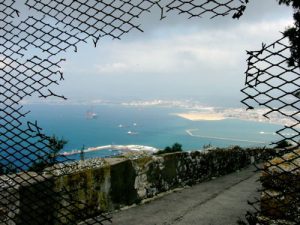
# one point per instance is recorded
(125, 148)
(218, 116)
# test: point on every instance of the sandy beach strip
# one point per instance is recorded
(196, 116)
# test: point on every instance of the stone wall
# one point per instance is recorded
(83, 193)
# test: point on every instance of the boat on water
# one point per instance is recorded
(132, 133)
(91, 115)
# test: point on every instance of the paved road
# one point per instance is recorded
(221, 201)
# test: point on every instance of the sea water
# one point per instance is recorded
(152, 126)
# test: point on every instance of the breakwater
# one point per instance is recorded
(124, 148)
(190, 133)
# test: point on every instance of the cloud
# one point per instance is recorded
(180, 53)
(203, 62)
(114, 67)
(265, 28)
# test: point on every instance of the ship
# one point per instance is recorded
(132, 133)
(91, 115)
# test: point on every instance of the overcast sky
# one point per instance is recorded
(177, 58)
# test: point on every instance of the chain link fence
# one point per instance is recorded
(33, 42)
(274, 84)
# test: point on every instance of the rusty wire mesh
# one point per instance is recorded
(271, 83)
(32, 44)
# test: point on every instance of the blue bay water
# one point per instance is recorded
(154, 126)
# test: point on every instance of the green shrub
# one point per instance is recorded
(175, 148)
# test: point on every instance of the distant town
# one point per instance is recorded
(193, 109)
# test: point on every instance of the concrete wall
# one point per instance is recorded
(67, 198)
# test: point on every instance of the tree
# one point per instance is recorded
(283, 144)
(7, 168)
(176, 147)
(168, 149)
(293, 33)
(47, 159)
(207, 146)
